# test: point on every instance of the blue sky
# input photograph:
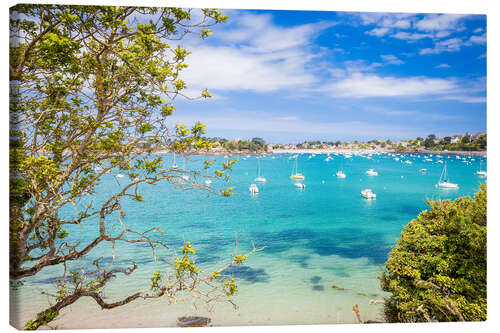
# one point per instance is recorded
(290, 76)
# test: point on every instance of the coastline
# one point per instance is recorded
(330, 151)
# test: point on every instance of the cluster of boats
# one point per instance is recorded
(298, 177)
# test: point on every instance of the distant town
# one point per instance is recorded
(467, 143)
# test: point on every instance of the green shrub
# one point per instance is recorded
(437, 270)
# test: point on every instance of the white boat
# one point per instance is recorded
(208, 182)
(253, 189)
(443, 180)
(295, 171)
(408, 162)
(481, 172)
(259, 176)
(368, 194)
(119, 175)
(300, 185)
(174, 164)
(370, 172)
(428, 160)
(185, 177)
(440, 161)
(423, 170)
(340, 174)
(396, 159)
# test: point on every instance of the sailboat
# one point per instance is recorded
(340, 173)
(259, 176)
(295, 170)
(253, 189)
(368, 194)
(174, 165)
(443, 180)
(481, 172)
(371, 172)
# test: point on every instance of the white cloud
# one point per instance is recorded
(449, 45)
(379, 32)
(403, 35)
(259, 34)
(412, 114)
(440, 22)
(467, 99)
(227, 68)
(387, 20)
(364, 86)
(442, 66)
(481, 39)
(391, 59)
(254, 54)
(412, 28)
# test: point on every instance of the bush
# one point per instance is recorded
(437, 270)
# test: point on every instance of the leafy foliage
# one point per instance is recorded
(437, 270)
(91, 92)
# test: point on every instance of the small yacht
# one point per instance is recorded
(185, 177)
(443, 180)
(295, 172)
(481, 172)
(174, 164)
(368, 194)
(440, 161)
(208, 182)
(370, 172)
(300, 185)
(259, 176)
(253, 189)
(408, 162)
(423, 170)
(340, 174)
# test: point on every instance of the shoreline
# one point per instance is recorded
(330, 151)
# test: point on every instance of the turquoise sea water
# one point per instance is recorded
(317, 237)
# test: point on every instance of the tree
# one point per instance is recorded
(446, 140)
(91, 90)
(437, 270)
(466, 139)
(259, 141)
(481, 142)
(429, 141)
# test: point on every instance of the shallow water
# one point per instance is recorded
(315, 238)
